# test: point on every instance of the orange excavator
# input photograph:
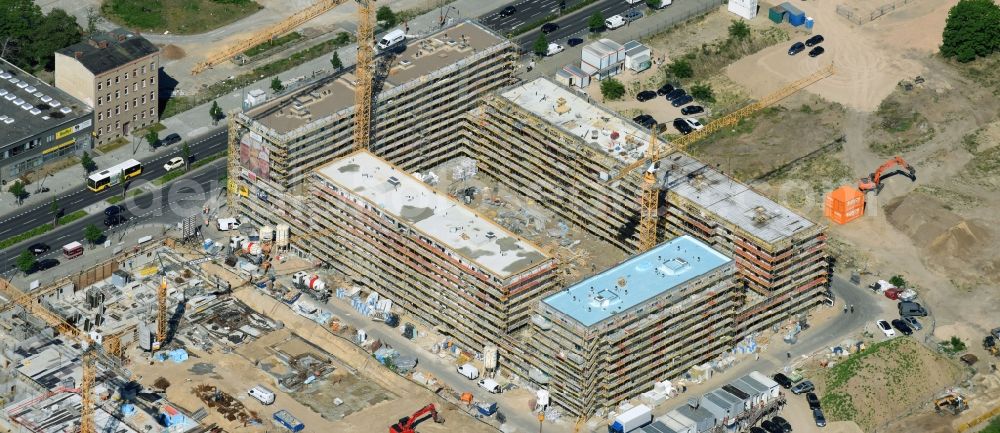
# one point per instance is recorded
(407, 424)
(874, 181)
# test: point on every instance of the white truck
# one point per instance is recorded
(664, 3)
(614, 22)
(632, 419)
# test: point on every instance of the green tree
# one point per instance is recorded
(26, 261)
(276, 85)
(612, 89)
(972, 30)
(703, 91)
(386, 15)
(596, 22)
(58, 30)
(216, 112)
(186, 154)
(541, 46)
(54, 207)
(739, 30)
(17, 188)
(335, 62)
(123, 182)
(898, 281)
(92, 234)
(87, 162)
(681, 68)
(654, 4)
(28, 37)
(151, 138)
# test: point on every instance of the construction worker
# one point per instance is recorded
(852, 309)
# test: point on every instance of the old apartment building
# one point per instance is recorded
(117, 74)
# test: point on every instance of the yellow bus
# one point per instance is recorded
(112, 176)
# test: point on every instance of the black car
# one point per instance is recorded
(39, 248)
(664, 89)
(171, 139)
(112, 210)
(796, 48)
(641, 118)
(816, 51)
(782, 380)
(813, 400)
(648, 122)
(45, 264)
(549, 27)
(756, 429)
(645, 95)
(692, 109)
(683, 100)
(815, 40)
(574, 41)
(901, 326)
(819, 418)
(115, 220)
(508, 11)
(681, 126)
(786, 427)
(676, 93)
(771, 427)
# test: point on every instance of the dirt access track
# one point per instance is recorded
(869, 59)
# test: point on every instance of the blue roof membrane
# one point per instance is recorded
(637, 280)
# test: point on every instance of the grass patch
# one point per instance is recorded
(156, 127)
(272, 44)
(180, 104)
(899, 129)
(112, 145)
(177, 16)
(115, 199)
(993, 426)
(65, 219)
(711, 59)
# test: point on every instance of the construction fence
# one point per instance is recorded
(861, 17)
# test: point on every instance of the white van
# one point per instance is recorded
(391, 39)
(226, 224)
(262, 394)
(469, 371)
(614, 22)
(664, 3)
(490, 385)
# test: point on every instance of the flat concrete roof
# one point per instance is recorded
(422, 57)
(576, 114)
(433, 214)
(731, 200)
(637, 280)
(29, 106)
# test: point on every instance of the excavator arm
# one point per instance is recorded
(407, 424)
(874, 181)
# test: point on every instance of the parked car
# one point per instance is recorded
(786, 427)
(683, 100)
(803, 387)
(900, 326)
(115, 220)
(893, 293)
(554, 49)
(782, 380)
(39, 248)
(819, 418)
(771, 427)
(631, 15)
(45, 264)
(913, 323)
(885, 328)
(796, 48)
(174, 163)
(665, 89)
(681, 126)
(649, 123)
(490, 385)
(112, 210)
(815, 40)
(574, 41)
(171, 139)
(816, 51)
(549, 27)
(813, 400)
(614, 22)
(641, 118)
(908, 309)
(692, 109)
(676, 93)
(694, 123)
(508, 11)
(469, 371)
(645, 95)
(756, 429)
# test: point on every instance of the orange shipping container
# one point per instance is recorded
(844, 204)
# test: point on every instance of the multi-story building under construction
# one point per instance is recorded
(426, 252)
(559, 149)
(607, 338)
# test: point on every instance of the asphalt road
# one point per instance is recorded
(81, 197)
(576, 23)
(526, 11)
(168, 204)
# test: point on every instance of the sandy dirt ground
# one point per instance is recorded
(867, 68)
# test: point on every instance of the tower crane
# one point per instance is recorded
(649, 200)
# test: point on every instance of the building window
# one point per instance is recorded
(126, 105)
(108, 98)
(100, 117)
(143, 114)
(150, 112)
(100, 101)
(117, 124)
(144, 69)
(143, 99)
(117, 94)
(150, 96)
(143, 84)
(135, 117)
(126, 75)
(109, 81)
(152, 67)
(126, 90)
(135, 87)
(99, 85)
(109, 129)
(135, 72)
(150, 81)
(117, 110)
(109, 114)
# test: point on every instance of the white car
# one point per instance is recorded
(173, 163)
(554, 49)
(885, 328)
(694, 123)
